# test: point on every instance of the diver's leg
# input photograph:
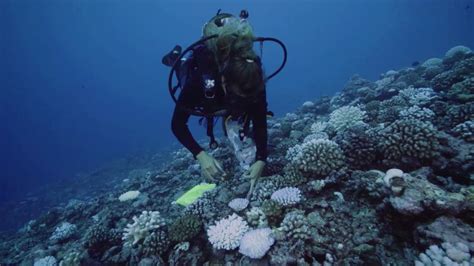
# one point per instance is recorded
(170, 58)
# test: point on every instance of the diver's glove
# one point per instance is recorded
(254, 173)
(210, 167)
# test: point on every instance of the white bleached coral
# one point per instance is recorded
(142, 226)
(432, 62)
(418, 96)
(227, 233)
(456, 53)
(318, 127)
(46, 261)
(346, 117)
(415, 112)
(238, 204)
(446, 254)
(129, 195)
(256, 243)
(287, 196)
(63, 232)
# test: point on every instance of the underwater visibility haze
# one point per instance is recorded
(370, 149)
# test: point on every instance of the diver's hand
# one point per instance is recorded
(210, 167)
(254, 173)
(256, 170)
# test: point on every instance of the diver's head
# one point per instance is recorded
(243, 76)
(226, 26)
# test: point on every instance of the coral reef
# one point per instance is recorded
(385, 168)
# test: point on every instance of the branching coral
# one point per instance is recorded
(287, 196)
(99, 239)
(264, 189)
(142, 226)
(409, 138)
(185, 228)
(203, 208)
(256, 217)
(446, 254)
(458, 114)
(71, 259)
(295, 226)
(415, 112)
(462, 91)
(63, 232)
(227, 233)
(318, 127)
(346, 117)
(359, 146)
(272, 210)
(465, 130)
(317, 157)
(155, 244)
(418, 96)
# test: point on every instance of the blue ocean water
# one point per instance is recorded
(82, 82)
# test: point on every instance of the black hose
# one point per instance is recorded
(285, 53)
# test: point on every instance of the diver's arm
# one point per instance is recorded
(179, 122)
(259, 121)
(179, 126)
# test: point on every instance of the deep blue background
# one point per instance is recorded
(82, 83)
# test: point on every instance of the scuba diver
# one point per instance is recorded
(222, 76)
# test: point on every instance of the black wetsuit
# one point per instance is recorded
(199, 68)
